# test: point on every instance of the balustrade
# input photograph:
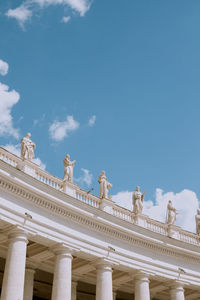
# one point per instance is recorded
(119, 212)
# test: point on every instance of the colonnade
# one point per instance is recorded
(18, 279)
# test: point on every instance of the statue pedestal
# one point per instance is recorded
(173, 232)
(106, 205)
(139, 219)
(26, 168)
(69, 188)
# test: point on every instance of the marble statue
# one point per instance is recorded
(104, 185)
(197, 217)
(68, 168)
(27, 147)
(171, 213)
(138, 199)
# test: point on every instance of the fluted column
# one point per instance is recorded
(29, 284)
(74, 290)
(104, 281)
(13, 279)
(142, 287)
(177, 291)
(62, 274)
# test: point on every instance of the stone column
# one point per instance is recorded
(114, 295)
(13, 279)
(62, 274)
(29, 283)
(142, 287)
(104, 281)
(74, 290)
(177, 291)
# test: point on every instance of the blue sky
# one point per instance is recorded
(134, 66)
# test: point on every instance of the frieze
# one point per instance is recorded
(91, 224)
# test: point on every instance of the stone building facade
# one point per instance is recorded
(59, 242)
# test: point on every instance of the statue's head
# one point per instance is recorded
(137, 188)
(67, 156)
(28, 135)
(170, 201)
(198, 211)
(103, 172)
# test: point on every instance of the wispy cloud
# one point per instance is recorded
(66, 19)
(22, 14)
(40, 121)
(59, 130)
(25, 11)
(185, 202)
(3, 68)
(80, 6)
(92, 121)
(85, 178)
(16, 149)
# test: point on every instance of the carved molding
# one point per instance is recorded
(94, 224)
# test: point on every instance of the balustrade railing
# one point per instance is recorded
(156, 226)
(122, 213)
(94, 201)
(47, 178)
(87, 198)
(8, 157)
(189, 237)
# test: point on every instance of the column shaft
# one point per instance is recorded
(177, 292)
(13, 279)
(142, 287)
(74, 290)
(104, 283)
(114, 295)
(62, 276)
(28, 284)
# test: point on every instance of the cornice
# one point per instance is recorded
(62, 210)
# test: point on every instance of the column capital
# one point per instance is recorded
(31, 265)
(61, 249)
(30, 268)
(18, 234)
(30, 271)
(142, 276)
(105, 264)
(177, 285)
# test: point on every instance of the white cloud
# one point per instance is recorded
(7, 100)
(85, 178)
(59, 130)
(92, 121)
(3, 68)
(16, 149)
(21, 14)
(185, 202)
(66, 19)
(80, 6)
(24, 12)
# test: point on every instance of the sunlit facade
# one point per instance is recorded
(59, 242)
